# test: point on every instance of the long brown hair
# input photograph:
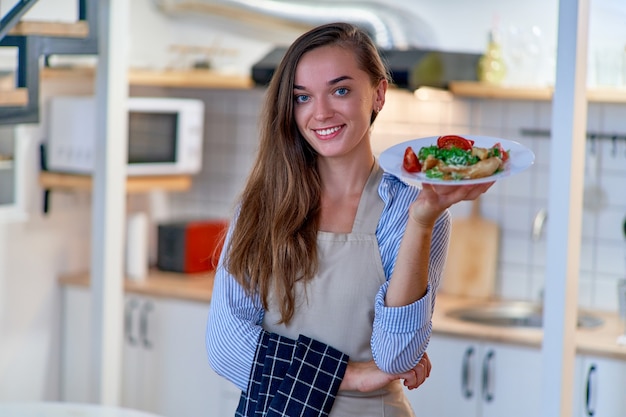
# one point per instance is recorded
(274, 240)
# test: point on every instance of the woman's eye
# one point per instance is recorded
(302, 98)
(341, 91)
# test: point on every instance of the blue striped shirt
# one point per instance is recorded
(400, 335)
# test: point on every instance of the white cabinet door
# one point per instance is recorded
(76, 350)
(164, 370)
(180, 381)
(452, 388)
(472, 378)
(511, 381)
(137, 353)
(600, 387)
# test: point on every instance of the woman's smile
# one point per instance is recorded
(328, 133)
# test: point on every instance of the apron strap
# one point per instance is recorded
(371, 205)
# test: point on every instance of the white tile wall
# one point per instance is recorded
(231, 129)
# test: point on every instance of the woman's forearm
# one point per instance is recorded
(410, 277)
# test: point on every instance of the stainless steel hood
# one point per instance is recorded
(410, 68)
(403, 38)
(391, 27)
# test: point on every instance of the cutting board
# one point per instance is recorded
(470, 269)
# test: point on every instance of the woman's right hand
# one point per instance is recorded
(367, 377)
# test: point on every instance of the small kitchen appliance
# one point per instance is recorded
(165, 135)
(190, 246)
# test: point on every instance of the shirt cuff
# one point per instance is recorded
(405, 319)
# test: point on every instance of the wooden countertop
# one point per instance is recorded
(198, 287)
(193, 287)
(600, 340)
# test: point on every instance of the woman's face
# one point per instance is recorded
(334, 100)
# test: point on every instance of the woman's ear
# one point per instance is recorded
(381, 91)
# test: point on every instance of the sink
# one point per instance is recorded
(514, 314)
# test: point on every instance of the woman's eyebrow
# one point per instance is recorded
(331, 82)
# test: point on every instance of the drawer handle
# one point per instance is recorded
(466, 373)
(128, 321)
(589, 408)
(487, 376)
(143, 324)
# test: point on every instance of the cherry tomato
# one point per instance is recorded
(410, 162)
(454, 141)
(504, 154)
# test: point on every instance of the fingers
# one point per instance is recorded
(461, 192)
(426, 360)
(420, 372)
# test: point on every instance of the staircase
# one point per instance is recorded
(37, 40)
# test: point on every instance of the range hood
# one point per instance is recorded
(404, 39)
(410, 68)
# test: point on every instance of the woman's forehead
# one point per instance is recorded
(326, 63)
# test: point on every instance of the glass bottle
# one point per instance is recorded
(491, 68)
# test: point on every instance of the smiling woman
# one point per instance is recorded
(329, 262)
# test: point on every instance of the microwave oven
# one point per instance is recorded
(165, 135)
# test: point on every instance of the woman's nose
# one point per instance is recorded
(323, 110)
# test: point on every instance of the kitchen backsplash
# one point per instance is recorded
(231, 140)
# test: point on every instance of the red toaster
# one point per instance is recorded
(190, 246)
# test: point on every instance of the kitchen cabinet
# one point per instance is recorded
(473, 378)
(599, 387)
(164, 365)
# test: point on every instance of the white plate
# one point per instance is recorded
(520, 158)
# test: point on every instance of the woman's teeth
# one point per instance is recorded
(325, 132)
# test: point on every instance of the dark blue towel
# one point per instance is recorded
(292, 378)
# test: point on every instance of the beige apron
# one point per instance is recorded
(337, 306)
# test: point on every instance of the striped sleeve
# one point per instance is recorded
(401, 334)
(233, 328)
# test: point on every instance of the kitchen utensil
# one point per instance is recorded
(594, 196)
(471, 265)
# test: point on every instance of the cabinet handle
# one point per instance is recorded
(590, 408)
(143, 324)
(128, 321)
(487, 377)
(466, 373)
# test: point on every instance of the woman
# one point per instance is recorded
(327, 252)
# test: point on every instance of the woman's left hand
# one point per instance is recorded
(434, 199)
(420, 372)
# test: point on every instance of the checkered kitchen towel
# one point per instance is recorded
(292, 378)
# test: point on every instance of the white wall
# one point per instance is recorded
(33, 254)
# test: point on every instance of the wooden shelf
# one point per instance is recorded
(134, 184)
(481, 90)
(177, 79)
(14, 98)
(59, 29)
(189, 79)
(607, 95)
